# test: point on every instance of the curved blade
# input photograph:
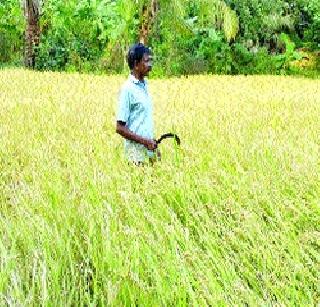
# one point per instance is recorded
(169, 135)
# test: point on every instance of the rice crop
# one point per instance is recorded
(232, 217)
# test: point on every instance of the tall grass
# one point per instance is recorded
(231, 218)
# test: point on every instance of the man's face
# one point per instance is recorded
(145, 65)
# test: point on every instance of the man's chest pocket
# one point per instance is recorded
(137, 106)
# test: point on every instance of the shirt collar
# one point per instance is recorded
(134, 80)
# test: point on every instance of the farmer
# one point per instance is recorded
(134, 118)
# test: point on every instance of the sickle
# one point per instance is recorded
(169, 135)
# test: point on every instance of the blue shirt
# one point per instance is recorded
(135, 109)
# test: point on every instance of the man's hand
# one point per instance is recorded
(123, 130)
(150, 144)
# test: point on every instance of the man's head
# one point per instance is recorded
(140, 60)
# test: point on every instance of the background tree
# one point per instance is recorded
(32, 34)
(187, 36)
(149, 13)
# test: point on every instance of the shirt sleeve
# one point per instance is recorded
(123, 106)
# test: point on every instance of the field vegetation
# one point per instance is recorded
(230, 218)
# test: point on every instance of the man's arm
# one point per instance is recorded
(123, 130)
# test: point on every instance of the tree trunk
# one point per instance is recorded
(32, 33)
(148, 16)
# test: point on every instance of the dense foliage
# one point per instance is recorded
(231, 36)
(11, 31)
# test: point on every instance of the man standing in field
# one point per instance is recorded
(134, 118)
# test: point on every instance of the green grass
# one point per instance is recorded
(231, 218)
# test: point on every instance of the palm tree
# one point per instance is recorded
(149, 12)
(216, 13)
(32, 33)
